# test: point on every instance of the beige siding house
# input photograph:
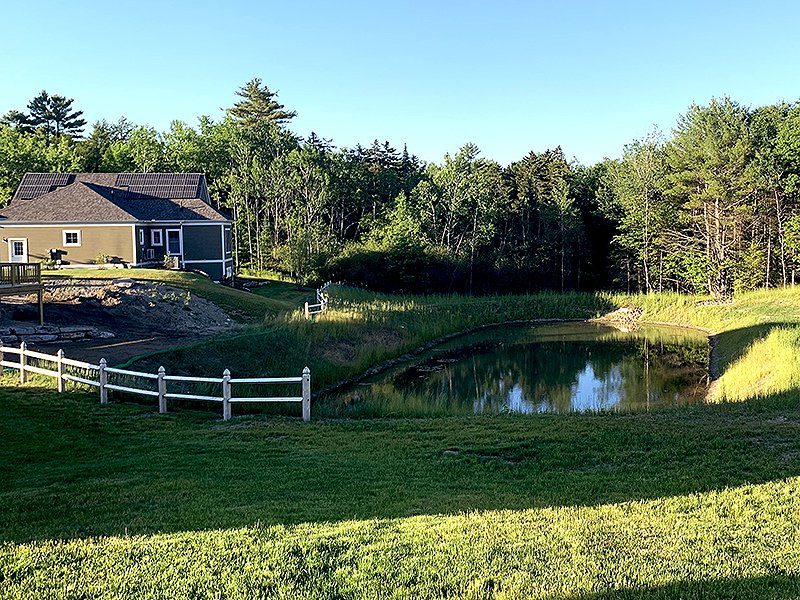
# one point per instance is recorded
(134, 219)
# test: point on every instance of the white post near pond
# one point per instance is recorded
(162, 390)
(103, 381)
(226, 395)
(306, 394)
(23, 360)
(60, 362)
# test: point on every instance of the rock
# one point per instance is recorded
(23, 330)
(124, 282)
(100, 335)
(74, 329)
(40, 338)
(72, 335)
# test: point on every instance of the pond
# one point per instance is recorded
(554, 367)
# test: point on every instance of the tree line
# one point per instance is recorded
(713, 208)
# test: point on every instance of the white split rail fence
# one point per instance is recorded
(103, 370)
(322, 302)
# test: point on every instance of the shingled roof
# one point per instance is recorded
(110, 197)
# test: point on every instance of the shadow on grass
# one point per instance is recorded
(72, 468)
(768, 587)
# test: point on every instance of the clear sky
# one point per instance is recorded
(508, 76)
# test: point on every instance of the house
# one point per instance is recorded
(133, 219)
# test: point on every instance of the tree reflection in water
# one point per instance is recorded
(543, 368)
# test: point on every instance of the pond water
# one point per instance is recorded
(554, 367)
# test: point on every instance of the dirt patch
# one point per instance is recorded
(142, 318)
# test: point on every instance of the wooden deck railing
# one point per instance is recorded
(22, 278)
(20, 274)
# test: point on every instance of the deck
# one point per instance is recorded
(17, 279)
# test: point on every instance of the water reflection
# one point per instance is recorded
(544, 368)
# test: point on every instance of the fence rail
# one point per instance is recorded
(14, 274)
(23, 278)
(103, 370)
(322, 302)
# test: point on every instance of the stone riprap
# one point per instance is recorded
(43, 334)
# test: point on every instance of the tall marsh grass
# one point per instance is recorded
(363, 328)
(359, 330)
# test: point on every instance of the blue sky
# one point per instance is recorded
(508, 76)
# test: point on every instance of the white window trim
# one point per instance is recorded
(24, 255)
(141, 237)
(153, 241)
(64, 233)
(180, 241)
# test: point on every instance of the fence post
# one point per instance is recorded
(23, 360)
(306, 394)
(60, 361)
(226, 395)
(306, 310)
(103, 382)
(2, 358)
(162, 390)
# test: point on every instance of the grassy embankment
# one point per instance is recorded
(757, 347)
(758, 341)
(699, 502)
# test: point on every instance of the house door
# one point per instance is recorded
(18, 250)
(174, 242)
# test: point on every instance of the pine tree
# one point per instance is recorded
(52, 116)
(259, 105)
(17, 120)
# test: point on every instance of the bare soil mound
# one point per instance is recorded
(142, 316)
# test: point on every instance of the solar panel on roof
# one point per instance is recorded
(127, 179)
(28, 192)
(161, 185)
(50, 179)
(34, 185)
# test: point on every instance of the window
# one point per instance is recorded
(155, 237)
(174, 245)
(228, 240)
(72, 237)
(141, 237)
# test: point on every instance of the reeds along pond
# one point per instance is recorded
(361, 329)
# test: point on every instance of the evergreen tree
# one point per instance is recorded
(259, 105)
(52, 115)
(17, 120)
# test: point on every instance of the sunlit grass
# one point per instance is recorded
(117, 501)
(734, 543)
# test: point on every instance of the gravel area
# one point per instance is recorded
(139, 317)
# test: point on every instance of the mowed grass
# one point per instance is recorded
(117, 501)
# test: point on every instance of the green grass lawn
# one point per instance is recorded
(117, 501)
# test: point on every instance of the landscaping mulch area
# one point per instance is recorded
(142, 316)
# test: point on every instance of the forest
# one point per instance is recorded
(711, 208)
